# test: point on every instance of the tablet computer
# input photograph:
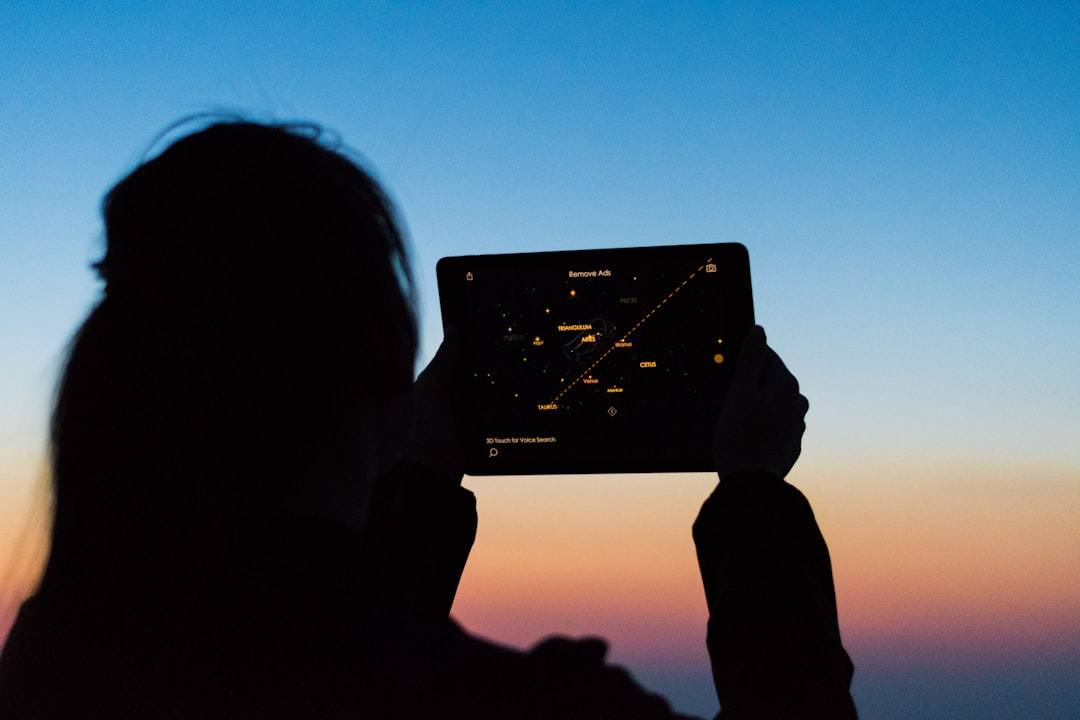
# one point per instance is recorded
(595, 361)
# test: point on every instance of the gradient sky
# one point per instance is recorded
(906, 177)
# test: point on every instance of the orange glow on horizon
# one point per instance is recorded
(956, 557)
(951, 558)
(587, 555)
(24, 523)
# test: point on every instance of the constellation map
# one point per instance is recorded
(587, 354)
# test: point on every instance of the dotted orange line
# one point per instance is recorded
(631, 331)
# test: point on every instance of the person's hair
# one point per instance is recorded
(257, 297)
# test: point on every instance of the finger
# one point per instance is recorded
(748, 364)
(775, 374)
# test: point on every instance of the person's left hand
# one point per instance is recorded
(433, 440)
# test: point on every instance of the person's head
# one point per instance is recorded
(255, 335)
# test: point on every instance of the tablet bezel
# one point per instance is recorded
(730, 259)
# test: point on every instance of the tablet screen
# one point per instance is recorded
(594, 361)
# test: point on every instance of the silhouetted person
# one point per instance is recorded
(258, 514)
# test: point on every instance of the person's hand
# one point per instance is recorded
(434, 441)
(762, 419)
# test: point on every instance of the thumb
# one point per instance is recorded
(751, 358)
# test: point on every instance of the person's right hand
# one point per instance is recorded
(762, 419)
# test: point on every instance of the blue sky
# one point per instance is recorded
(905, 175)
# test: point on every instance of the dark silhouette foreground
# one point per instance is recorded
(258, 514)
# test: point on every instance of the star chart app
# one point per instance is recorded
(598, 360)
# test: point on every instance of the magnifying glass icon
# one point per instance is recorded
(493, 452)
